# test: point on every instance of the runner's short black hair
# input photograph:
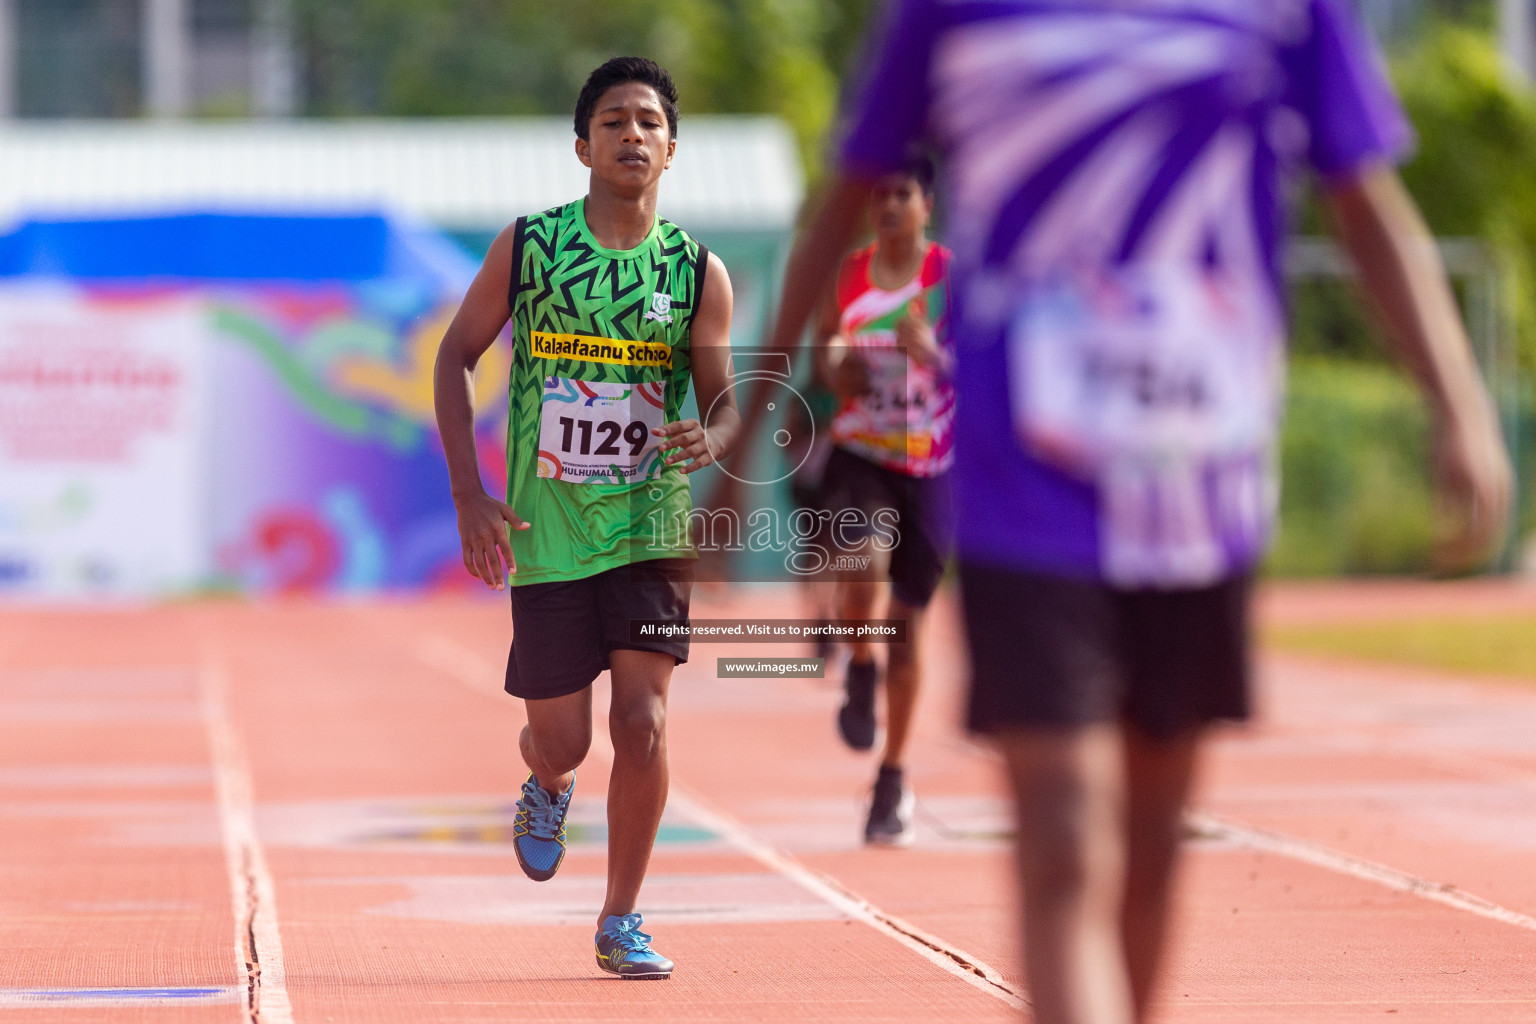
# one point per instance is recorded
(921, 167)
(617, 71)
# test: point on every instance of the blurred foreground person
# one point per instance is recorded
(1116, 176)
(809, 446)
(613, 312)
(883, 345)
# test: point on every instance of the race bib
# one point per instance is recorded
(1151, 366)
(592, 432)
(1162, 386)
(895, 418)
(892, 399)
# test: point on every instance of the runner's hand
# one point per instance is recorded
(1475, 486)
(690, 440)
(850, 377)
(915, 334)
(483, 525)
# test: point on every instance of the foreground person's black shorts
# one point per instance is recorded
(563, 632)
(1054, 651)
(924, 520)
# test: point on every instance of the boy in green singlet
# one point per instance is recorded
(613, 313)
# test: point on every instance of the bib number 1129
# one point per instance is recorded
(635, 435)
(594, 432)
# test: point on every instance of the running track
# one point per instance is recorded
(323, 791)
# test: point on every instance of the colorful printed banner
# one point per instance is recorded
(101, 443)
(202, 424)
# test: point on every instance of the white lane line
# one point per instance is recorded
(453, 660)
(951, 958)
(258, 944)
(1209, 826)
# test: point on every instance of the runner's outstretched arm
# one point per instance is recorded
(482, 518)
(709, 343)
(1381, 227)
(813, 262)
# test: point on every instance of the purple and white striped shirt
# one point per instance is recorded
(1083, 137)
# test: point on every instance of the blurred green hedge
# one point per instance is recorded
(1355, 488)
(1356, 493)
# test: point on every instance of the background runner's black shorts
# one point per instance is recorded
(925, 525)
(563, 632)
(1049, 650)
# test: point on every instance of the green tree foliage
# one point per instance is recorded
(1470, 173)
(1474, 173)
(1355, 493)
(495, 57)
(843, 32)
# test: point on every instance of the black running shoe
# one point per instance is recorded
(856, 718)
(890, 812)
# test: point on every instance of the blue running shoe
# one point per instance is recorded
(625, 950)
(538, 831)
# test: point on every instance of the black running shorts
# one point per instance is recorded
(924, 525)
(1053, 651)
(563, 632)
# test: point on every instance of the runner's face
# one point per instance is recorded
(629, 142)
(897, 207)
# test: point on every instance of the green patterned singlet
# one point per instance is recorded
(600, 356)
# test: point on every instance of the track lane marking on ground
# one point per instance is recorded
(445, 656)
(951, 958)
(1211, 826)
(1206, 825)
(258, 941)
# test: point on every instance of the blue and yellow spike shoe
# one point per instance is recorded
(538, 831)
(625, 950)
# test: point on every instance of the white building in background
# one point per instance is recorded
(462, 174)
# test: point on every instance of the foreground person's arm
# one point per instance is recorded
(813, 262)
(1401, 270)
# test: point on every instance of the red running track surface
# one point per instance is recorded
(327, 787)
